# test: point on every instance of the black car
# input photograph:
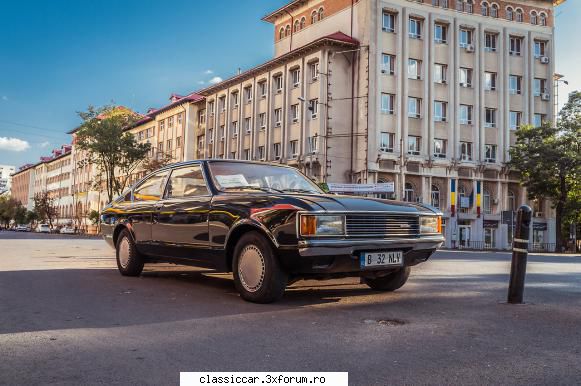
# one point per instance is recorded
(268, 224)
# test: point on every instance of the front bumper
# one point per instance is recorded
(350, 247)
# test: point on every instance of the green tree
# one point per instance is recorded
(44, 207)
(11, 209)
(548, 159)
(113, 150)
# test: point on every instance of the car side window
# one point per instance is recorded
(150, 189)
(187, 182)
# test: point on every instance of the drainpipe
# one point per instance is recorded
(292, 30)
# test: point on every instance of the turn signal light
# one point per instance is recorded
(308, 225)
(439, 224)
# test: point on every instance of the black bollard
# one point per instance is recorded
(520, 252)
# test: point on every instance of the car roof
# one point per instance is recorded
(212, 160)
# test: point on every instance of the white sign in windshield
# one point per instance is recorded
(232, 181)
(362, 188)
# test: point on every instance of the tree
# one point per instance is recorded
(156, 163)
(11, 209)
(113, 150)
(44, 207)
(548, 159)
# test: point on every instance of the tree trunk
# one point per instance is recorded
(558, 225)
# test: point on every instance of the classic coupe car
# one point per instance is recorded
(267, 224)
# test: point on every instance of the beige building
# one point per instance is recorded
(424, 94)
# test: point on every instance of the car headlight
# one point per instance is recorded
(431, 224)
(322, 225)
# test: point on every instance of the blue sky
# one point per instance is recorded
(57, 57)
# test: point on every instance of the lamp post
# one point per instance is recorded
(558, 78)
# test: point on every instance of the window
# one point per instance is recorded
(295, 113)
(161, 125)
(514, 120)
(468, 6)
(386, 141)
(509, 14)
(222, 132)
(440, 33)
(247, 154)
(287, 30)
(276, 150)
(150, 189)
(494, 10)
(542, 19)
(314, 17)
(211, 107)
(235, 129)
(465, 37)
(277, 117)
(160, 147)
(277, 83)
(178, 141)
(490, 153)
(248, 94)
(540, 48)
(187, 182)
(281, 33)
(466, 151)
(201, 117)
(465, 77)
(490, 118)
(539, 86)
(262, 120)
(321, 13)
(387, 64)
(534, 19)
(262, 88)
(440, 73)
(440, 112)
(303, 22)
(180, 119)
(170, 122)
(484, 9)
(490, 42)
(387, 103)
(439, 148)
(487, 204)
(211, 135)
(234, 99)
(248, 124)
(538, 120)
(409, 193)
(514, 84)
(515, 45)
(314, 69)
(413, 145)
(296, 77)
(388, 23)
(415, 28)
(297, 26)
(294, 148)
(222, 103)
(414, 105)
(466, 114)
(511, 201)
(438, 3)
(261, 153)
(435, 197)
(312, 144)
(518, 15)
(490, 81)
(314, 107)
(414, 69)
(201, 141)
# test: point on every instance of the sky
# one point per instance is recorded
(58, 57)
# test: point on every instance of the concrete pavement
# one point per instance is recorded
(68, 317)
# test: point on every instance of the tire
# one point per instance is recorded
(129, 260)
(258, 276)
(391, 282)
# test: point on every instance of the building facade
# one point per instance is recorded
(6, 172)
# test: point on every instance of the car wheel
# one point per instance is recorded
(257, 273)
(129, 260)
(390, 282)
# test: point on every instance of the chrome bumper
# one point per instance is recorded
(349, 247)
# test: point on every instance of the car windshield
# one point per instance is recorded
(239, 176)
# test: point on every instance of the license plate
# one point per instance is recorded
(381, 259)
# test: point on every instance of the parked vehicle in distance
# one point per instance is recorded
(67, 230)
(268, 224)
(43, 228)
(22, 228)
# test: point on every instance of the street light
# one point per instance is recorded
(558, 78)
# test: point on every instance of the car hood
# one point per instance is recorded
(341, 203)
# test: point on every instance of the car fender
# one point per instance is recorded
(253, 223)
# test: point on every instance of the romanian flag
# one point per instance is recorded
(452, 197)
(478, 197)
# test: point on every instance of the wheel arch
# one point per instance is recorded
(118, 229)
(237, 232)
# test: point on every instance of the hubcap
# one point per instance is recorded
(124, 252)
(251, 268)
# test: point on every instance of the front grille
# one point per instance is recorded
(382, 225)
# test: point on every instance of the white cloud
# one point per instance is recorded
(45, 144)
(13, 144)
(4, 98)
(208, 72)
(201, 82)
(215, 80)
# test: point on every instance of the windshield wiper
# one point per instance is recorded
(250, 187)
(298, 190)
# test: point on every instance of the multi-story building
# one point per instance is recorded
(22, 188)
(424, 94)
(6, 177)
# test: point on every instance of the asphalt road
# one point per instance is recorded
(67, 317)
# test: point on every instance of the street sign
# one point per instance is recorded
(388, 187)
(508, 217)
(540, 226)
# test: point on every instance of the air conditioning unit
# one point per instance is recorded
(545, 59)
(470, 48)
(545, 96)
(249, 130)
(444, 81)
(263, 127)
(386, 149)
(538, 214)
(211, 141)
(295, 120)
(495, 201)
(235, 106)
(221, 138)
(277, 158)
(313, 116)
(277, 124)
(235, 135)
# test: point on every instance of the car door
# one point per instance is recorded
(180, 227)
(145, 199)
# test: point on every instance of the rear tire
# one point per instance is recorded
(129, 261)
(391, 282)
(258, 276)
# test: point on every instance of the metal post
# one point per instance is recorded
(519, 255)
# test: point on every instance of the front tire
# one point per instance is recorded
(391, 282)
(258, 276)
(129, 260)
